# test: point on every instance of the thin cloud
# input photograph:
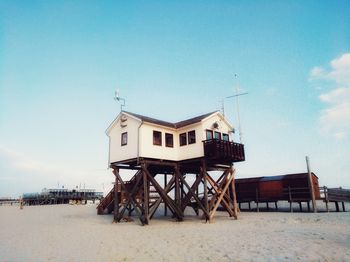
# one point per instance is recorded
(335, 118)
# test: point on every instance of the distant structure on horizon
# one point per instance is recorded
(61, 196)
(154, 147)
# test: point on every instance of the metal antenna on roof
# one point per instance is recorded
(237, 108)
(119, 99)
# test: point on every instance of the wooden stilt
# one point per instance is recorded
(165, 185)
(343, 205)
(249, 206)
(229, 178)
(233, 185)
(300, 207)
(116, 196)
(205, 185)
(146, 198)
(308, 206)
(276, 205)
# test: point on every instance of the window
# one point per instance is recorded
(183, 139)
(225, 137)
(192, 137)
(157, 138)
(217, 135)
(209, 134)
(124, 139)
(169, 140)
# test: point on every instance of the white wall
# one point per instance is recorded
(148, 150)
(223, 126)
(128, 151)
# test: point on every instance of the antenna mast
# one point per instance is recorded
(119, 99)
(237, 108)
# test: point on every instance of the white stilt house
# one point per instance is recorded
(153, 147)
(133, 136)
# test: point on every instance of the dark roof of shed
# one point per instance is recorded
(169, 124)
(272, 178)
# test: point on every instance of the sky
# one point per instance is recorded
(62, 61)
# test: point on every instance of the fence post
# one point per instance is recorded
(326, 197)
(257, 200)
(311, 185)
(290, 200)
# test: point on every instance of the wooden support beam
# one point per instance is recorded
(233, 185)
(145, 198)
(167, 189)
(116, 197)
(205, 183)
(228, 181)
(175, 209)
(186, 200)
(226, 201)
(191, 192)
(165, 185)
(131, 198)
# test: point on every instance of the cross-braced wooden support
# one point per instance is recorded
(221, 193)
(143, 194)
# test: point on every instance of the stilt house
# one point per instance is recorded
(154, 147)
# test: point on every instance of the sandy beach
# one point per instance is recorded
(76, 233)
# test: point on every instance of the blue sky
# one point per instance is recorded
(61, 61)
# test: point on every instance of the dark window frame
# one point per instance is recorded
(192, 137)
(183, 135)
(217, 133)
(206, 134)
(124, 139)
(155, 142)
(167, 136)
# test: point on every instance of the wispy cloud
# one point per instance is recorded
(335, 118)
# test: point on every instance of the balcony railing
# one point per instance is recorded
(215, 149)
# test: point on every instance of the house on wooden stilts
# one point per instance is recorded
(184, 153)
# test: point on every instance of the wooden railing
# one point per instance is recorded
(215, 149)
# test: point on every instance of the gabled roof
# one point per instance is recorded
(165, 123)
(168, 124)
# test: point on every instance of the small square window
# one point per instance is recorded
(192, 137)
(217, 135)
(209, 134)
(157, 138)
(169, 140)
(183, 139)
(225, 137)
(124, 139)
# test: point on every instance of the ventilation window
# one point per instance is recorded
(124, 139)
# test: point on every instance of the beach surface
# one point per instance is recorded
(76, 233)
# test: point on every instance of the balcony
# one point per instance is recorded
(223, 151)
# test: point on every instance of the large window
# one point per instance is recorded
(157, 138)
(183, 139)
(124, 139)
(225, 137)
(217, 135)
(192, 137)
(208, 134)
(169, 140)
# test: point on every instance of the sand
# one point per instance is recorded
(76, 233)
